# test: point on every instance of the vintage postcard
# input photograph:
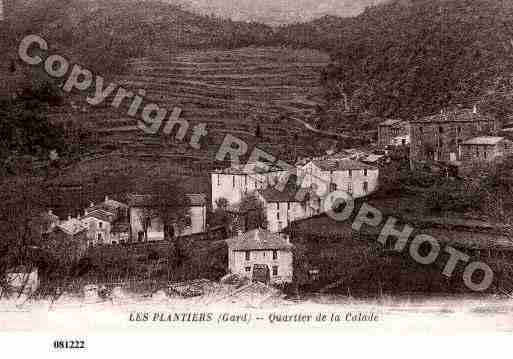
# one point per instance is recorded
(171, 165)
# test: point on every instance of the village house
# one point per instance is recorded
(437, 138)
(325, 176)
(235, 182)
(393, 133)
(261, 256)
(106, 222)
(484, 149)
(69, 239)
(142, 215)
(284, 207)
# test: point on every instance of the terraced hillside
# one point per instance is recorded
(229, 90)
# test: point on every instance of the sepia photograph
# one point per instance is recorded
(263, 165)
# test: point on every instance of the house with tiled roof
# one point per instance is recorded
(142, 214)
(261, 256)
(326, 176)
(100, 220)
(436, 138)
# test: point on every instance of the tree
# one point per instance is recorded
(22, 203)
(172, 206)
(252, 212)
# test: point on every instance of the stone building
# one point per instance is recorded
(484, 149)
(261, 255)
(104, 220)
(437, 138)
(393, 133)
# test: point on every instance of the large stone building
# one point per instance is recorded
(437, 138)
(484, 149)
(261, 255)
(235, 182)
(393, 133)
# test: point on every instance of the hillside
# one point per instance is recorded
(407, 58)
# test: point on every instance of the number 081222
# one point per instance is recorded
(69, 344)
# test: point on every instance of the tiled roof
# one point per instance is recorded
(258, 239)
(72, 226)
(483, 140)
(102, 215)
(390, 122)
(250, 168)
(465, 115)
(342, 165)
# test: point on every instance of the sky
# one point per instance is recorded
(279, 11)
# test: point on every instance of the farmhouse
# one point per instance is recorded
(354, 177)
(235, 182)
(484, 149)
(437, 138)
(261, 255)
(146, 224)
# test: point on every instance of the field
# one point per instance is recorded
(228, 90)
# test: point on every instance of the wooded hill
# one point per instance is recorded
(406, 58)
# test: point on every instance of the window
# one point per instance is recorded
(99, 237)
(484, 154)
(275, 270)
(459, 130)
(350, 187)
(100, 224)
(247, 269)
(275, 255)
(233, 180)
(248, 255)
(365, 187)
(441, 129)
(350, 173)
(333, 187)
(421, 130)
(365, 171)
(278, 214)
(218, 180)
